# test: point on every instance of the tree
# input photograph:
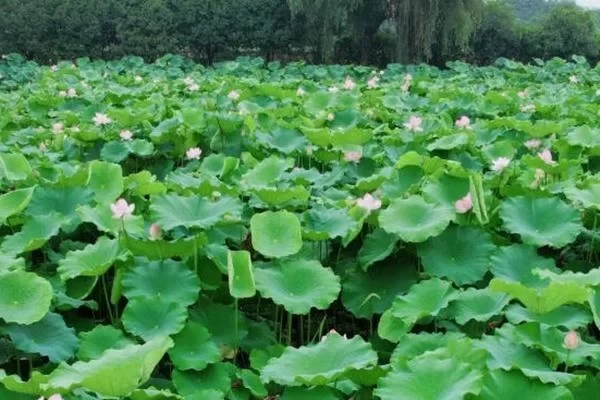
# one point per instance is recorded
(428, 30)
(566, 31)
(326, 22)
(498, 35)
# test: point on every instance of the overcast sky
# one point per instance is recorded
(589, 3)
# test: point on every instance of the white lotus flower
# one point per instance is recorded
(193, 153)
(533, 144)
(414, 124)
(126, 135)
(499, 164)
(234, 95)
(71, 93)
(101, 119)
(463, 122)
(300, 92)
(121, 209)
(58, 127)
(369, 203)
(349, 84)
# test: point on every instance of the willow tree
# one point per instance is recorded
(432, 30)
(326, 22)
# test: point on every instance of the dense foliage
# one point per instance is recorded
(175, 232)
(372, 32)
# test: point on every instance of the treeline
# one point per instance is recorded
(322, 31)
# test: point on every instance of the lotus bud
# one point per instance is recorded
(571, 340)
(155, 232)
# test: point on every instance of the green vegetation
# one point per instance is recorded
(175, 232)
(375, 32)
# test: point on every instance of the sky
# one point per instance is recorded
(589, 3)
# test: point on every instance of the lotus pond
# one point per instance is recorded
(254, 231)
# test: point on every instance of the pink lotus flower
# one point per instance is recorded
(373, 82)
(234, 95)
(126, 134)
(464, 205)
(533, 144)
(571, 340)
(71, 93)
(463, 122)
(546, 156)
(58, 128)
(369, 203)
(101, 119)
(352, 156)
(155, 232)
(528, 108)
(414, 124)
(193, 153)
(349, 84)
(121, 209)
(300, 92)
(499, 164)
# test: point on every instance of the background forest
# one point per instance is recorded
(373, 32)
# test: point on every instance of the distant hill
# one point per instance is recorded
(530, 9)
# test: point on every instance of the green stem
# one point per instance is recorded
(106, 298)
(289, 329)
(308, 326)
(567, 360)
(236, 328)
(301, 330)
(196, 255)
(594, 227)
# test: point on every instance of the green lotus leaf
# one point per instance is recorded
(34, 386)
(14, 167)
(373, 292)
(449, 142)
(168, 281)
(507, 355)
(106, 181)
(460, 253)
(542, 300)
(49, 337)
(587, 390)
(94, 260)
(571, 317)
(11, 263)
(252, 382)
(425, 299)
(318, 365)
(142, 148)
(303, 393)
(226, 326)
(151, 318)
(427, 379)
(584, 136)
(62, 202)
(276, 234)
(219, 165)
(171, 211)
(284, 140)
(282, 195)
(400, 181)
(34, 233)
(413, 345)
(550, 341)
(241, 277)
(321, 223)
(103, 337)
(415, 220)
(24, 297)
(518, 262)
(594, 302)
(541, 222)
(144, 184)
(474, 304)
(114, 152)
(590, 278)
(588, 195)
(446, 190)
(14, 202)
(377, 246)
(211, 383)
(194, 348)
(153, 394)
(298, 285)
(266, 173)
(117, 372)
(163, 249)
(502, 385)
(102, 217)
